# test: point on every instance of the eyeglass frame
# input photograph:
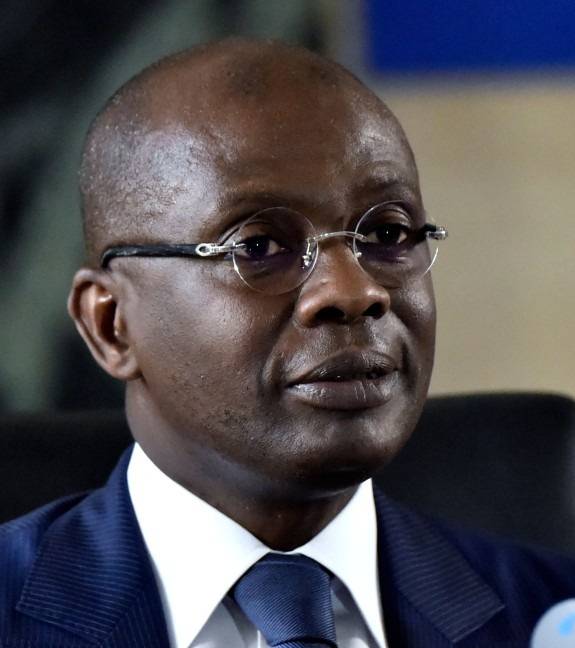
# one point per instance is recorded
(213, 250)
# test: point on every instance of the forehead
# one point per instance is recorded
(298, 142)
(331, 133)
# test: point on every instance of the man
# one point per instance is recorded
(258, 274)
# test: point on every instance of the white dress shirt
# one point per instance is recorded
(198, 553)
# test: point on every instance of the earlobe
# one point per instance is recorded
(94, 306)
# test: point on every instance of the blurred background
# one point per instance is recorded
(485, 90)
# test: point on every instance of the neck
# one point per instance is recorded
(282, 516)
(283, 525)
(283, 513)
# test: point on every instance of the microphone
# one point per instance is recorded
(556, 628)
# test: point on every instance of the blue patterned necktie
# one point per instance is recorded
(288, 598)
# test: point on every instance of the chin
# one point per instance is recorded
(345, 454)
(336, 479)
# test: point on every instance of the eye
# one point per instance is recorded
(258, 247)
(388, 226)
(388, 234)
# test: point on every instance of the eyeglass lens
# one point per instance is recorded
(276, 250)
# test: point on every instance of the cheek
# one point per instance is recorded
(200, 345)
(416, 310)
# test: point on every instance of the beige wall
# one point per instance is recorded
(497, 163)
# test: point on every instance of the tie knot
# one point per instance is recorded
(288, 598)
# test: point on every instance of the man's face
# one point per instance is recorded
(269, 392)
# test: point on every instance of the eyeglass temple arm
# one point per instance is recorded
(168, 250)
(435, 232)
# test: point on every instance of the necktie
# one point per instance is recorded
(288, 598)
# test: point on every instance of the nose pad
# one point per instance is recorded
(339, 290)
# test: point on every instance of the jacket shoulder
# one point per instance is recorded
(435, 561)
(525, 576)
(20, 542)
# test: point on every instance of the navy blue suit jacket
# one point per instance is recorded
(76, 574)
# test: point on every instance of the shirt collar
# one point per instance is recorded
(198, 553)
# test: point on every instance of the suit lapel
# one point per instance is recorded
(92, 576)
(431, 595)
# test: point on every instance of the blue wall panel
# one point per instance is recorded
(419, 35)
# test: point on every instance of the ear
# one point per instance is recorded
(94, 306)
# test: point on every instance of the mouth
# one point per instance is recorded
(352, 380)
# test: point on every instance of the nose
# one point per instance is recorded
(339, 291)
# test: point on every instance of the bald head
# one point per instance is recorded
(149, 140)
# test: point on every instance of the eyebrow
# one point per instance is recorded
(386, 175)
(274, 198)
(238, 202)
(237, 198)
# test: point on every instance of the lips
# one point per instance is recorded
(351, 380)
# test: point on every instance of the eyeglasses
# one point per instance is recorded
(276, 249)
